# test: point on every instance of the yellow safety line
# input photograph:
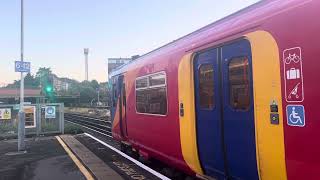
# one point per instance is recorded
(84, 171)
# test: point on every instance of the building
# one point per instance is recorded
(12, 96)
(60, 84)
(113, 63)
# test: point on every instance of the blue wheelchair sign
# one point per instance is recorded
(296, 115)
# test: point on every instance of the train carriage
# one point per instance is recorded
(236, 99)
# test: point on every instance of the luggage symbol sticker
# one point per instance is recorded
(292, 60)
(293, 73)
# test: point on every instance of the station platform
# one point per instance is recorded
(68, 157)
(45, 159)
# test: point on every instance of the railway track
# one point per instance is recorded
(102, 126)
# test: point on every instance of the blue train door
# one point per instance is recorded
(225, 130)
(208, 112)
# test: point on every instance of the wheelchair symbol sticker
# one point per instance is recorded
(295, 115)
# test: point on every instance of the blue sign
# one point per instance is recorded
(296, 115)
(21, 66)
(50, 112)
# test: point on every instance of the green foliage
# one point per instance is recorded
(77, 92)
(72, 129)
(29, 82)
(43, 73)
(87, 91)
(44, 76)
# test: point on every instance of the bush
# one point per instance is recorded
(72, 129)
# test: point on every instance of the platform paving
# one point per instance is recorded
(124, 167)
(45, 159)
(96, 166)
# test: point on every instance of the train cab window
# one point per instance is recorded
(206, 86)
(151, 94)
(239, 83)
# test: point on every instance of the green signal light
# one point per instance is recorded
(48, 88)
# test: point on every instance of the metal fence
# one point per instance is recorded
(40, 119)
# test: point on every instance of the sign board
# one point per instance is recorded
(293, 75)
(30, 119)
(5, 113)
(296, 115)
(22, 66)
(50, 112)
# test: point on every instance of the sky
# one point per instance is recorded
(56, 31)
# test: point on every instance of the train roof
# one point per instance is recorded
(265, 6)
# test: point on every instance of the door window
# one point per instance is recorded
(206, 86)
(239, 83)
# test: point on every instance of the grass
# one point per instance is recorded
(7, 128)
(49, 127)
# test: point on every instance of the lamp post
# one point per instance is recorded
(21, 128)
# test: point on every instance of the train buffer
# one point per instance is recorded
(67, 157)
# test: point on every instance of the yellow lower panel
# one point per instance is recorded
(188, 133)
(267, 88)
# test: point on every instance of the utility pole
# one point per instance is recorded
(21, 128)
(86, 53)
(98, 103)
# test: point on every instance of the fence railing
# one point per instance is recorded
(40, 119)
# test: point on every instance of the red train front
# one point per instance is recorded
(236, 99)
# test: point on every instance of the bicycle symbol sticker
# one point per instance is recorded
(296, 115)
(293, 76)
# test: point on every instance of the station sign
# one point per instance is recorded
(293, 75)
(22, 66)
(5, 113)
(50, 112)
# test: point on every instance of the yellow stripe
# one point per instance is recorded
(84, 171)
(187, 122)
(267, 87)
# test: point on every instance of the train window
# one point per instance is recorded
(142, 83)
(158, 79)
(152, 99)
(206, 86)
(239, 83)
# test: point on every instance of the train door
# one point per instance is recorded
(208, 111)
(231, 115)
(122, 105)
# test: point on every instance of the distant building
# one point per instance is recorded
(113, 63)
(60, 84)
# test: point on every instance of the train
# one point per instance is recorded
(236, 99)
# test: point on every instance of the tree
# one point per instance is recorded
(87, 92)
(44, 76)
(43, 72)
(94, 84)
(29, 82)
